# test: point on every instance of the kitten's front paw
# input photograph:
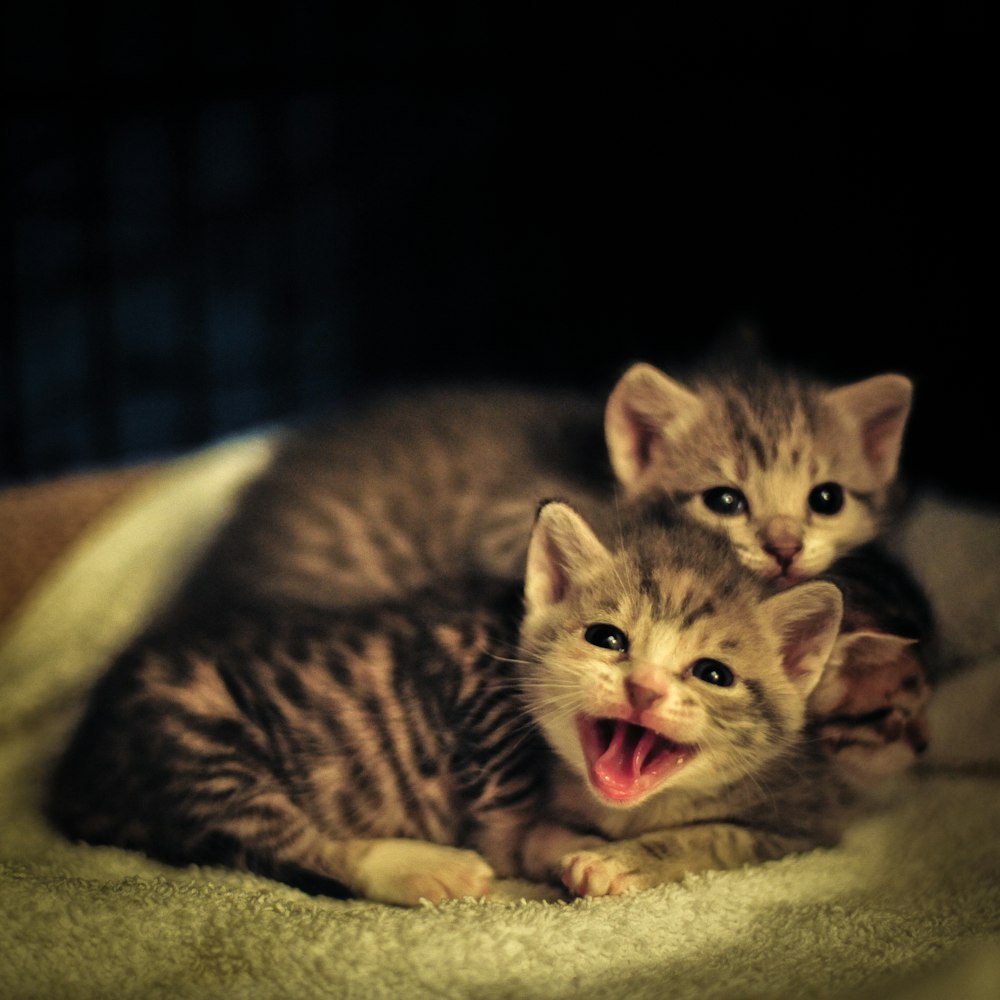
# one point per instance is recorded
(408, 871)
(593, 873)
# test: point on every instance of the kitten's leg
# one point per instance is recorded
(405, 871)
(545, 846)
(390, 869)
(499, 839)
(665, 856)
(387, 869)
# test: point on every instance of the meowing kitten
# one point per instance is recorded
(387, 751)
(673, 690)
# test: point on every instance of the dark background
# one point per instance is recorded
(218, 217)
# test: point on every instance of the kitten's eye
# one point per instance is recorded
(713, 672)
(607, 637)
(725, 500)
(827, 498)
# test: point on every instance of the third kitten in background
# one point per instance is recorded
(870, 707)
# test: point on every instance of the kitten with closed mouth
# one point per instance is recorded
(441, 484)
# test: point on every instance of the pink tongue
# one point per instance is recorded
(628, 751)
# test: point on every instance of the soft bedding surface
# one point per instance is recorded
(907, 906)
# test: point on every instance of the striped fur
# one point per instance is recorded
(415, 488)
(770, 439)
(318, 749)
(406, 492)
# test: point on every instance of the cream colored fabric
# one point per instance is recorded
(907, 906)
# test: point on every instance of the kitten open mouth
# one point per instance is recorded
(626, 761)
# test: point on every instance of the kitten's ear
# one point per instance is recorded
(862, 660)
(644, 407)
(869, 648)
(879, 408)
(807, 619)
(563, 547)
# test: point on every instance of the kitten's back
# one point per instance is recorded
(409, 490)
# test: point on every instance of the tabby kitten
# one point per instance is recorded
(402, 752)
(672, 685)
(794, 473)
(444, 484)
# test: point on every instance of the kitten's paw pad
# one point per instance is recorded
(407, 872)
(588, 873)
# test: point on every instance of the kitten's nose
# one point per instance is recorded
(782, 538)
(640, 697)
(647, 685)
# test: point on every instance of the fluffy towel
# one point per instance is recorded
(907, 906)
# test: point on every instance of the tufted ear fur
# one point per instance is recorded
(878, 407)
(644, 408)
(563, 548)
(807, 618)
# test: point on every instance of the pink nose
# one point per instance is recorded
(646, 685)
(781, 538)
(784, 553)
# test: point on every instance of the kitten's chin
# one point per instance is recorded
(627, 762)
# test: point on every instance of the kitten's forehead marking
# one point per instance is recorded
(707, 607)
(782, 485)
(681, 597)
(771, 422)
